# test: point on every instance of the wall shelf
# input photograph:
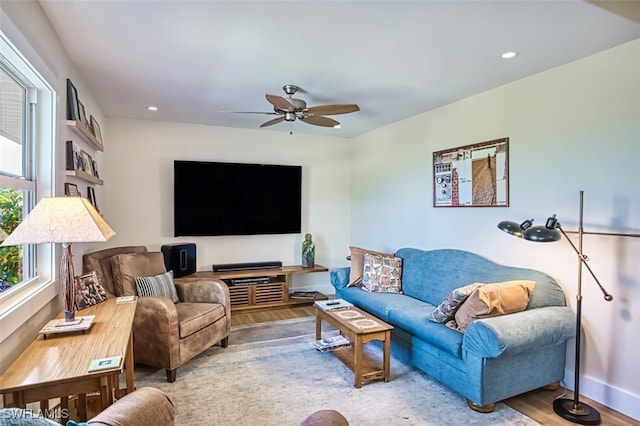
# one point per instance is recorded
(84, 176)
(85, 133)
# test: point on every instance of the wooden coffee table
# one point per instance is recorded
(365, 368)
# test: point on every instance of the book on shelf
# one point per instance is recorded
(306, 295)
(332, 343)
(105, 363)
(332, 304)
(59, 325)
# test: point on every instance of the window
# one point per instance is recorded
(26, 152)
(17, 186)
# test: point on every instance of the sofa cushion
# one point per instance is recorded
(357, 263)
(382, 274)
(414, 320)
(430, 275)
(494, 299)
(448, 307)
(126, 267)
(378, 304)
(193, 317)
(157, 285)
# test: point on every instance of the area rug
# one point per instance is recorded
(272, 375)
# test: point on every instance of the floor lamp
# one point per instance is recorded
(63, 220)
(569, 409)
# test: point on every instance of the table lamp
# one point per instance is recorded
(569, 409)
(63, 220)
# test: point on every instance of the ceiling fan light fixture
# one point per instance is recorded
(290, 116)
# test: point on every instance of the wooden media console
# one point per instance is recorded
(269, 290)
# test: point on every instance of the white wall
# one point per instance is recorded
(138, 194)
(573, 128)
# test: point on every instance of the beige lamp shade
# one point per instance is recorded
(61, 220)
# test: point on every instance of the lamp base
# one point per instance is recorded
(69, 315)
(583, 414)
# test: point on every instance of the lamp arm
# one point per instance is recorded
(583, 258)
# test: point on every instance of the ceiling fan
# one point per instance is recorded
(292, 109)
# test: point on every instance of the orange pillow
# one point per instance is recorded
(494, 299)
(357, 263)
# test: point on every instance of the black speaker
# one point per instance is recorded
(180, 258)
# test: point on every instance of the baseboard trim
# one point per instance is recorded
(605, 394)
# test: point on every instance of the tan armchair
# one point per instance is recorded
(165, 334)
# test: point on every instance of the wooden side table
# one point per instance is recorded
(364, 368)
(58, 365)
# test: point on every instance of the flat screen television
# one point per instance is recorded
(216, 198)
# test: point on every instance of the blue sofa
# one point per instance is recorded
(496, 358)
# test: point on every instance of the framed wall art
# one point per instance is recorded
(474, 175)
(71, 190)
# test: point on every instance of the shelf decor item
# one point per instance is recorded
(72, 102)
(63, 220)
(569, 409)
(308, 252)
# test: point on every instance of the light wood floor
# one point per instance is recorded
(537, 405)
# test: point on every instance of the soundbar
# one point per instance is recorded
(225, 267)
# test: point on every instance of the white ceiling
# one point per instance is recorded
(395, 59)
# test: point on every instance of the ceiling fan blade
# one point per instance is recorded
(279, 102)
(250, 112)
(318, 120)
(333, 109)
(272, 122)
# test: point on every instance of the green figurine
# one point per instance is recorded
(308, 252)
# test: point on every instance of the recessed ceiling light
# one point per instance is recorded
(509, 55)
(152, 108)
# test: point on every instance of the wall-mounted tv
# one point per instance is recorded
(217, 198)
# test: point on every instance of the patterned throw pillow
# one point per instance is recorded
(89, 290)
(357, 263)
(158, 285)
(382, 274)
(447, 308)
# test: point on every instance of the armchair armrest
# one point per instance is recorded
(155, 332)
(340, 277)
(203, 291)
(519, 332)
(145, 406)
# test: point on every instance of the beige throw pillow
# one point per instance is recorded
(494, 299)
(357, 263)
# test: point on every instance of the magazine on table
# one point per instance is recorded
(332, 305)
(332, 343)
